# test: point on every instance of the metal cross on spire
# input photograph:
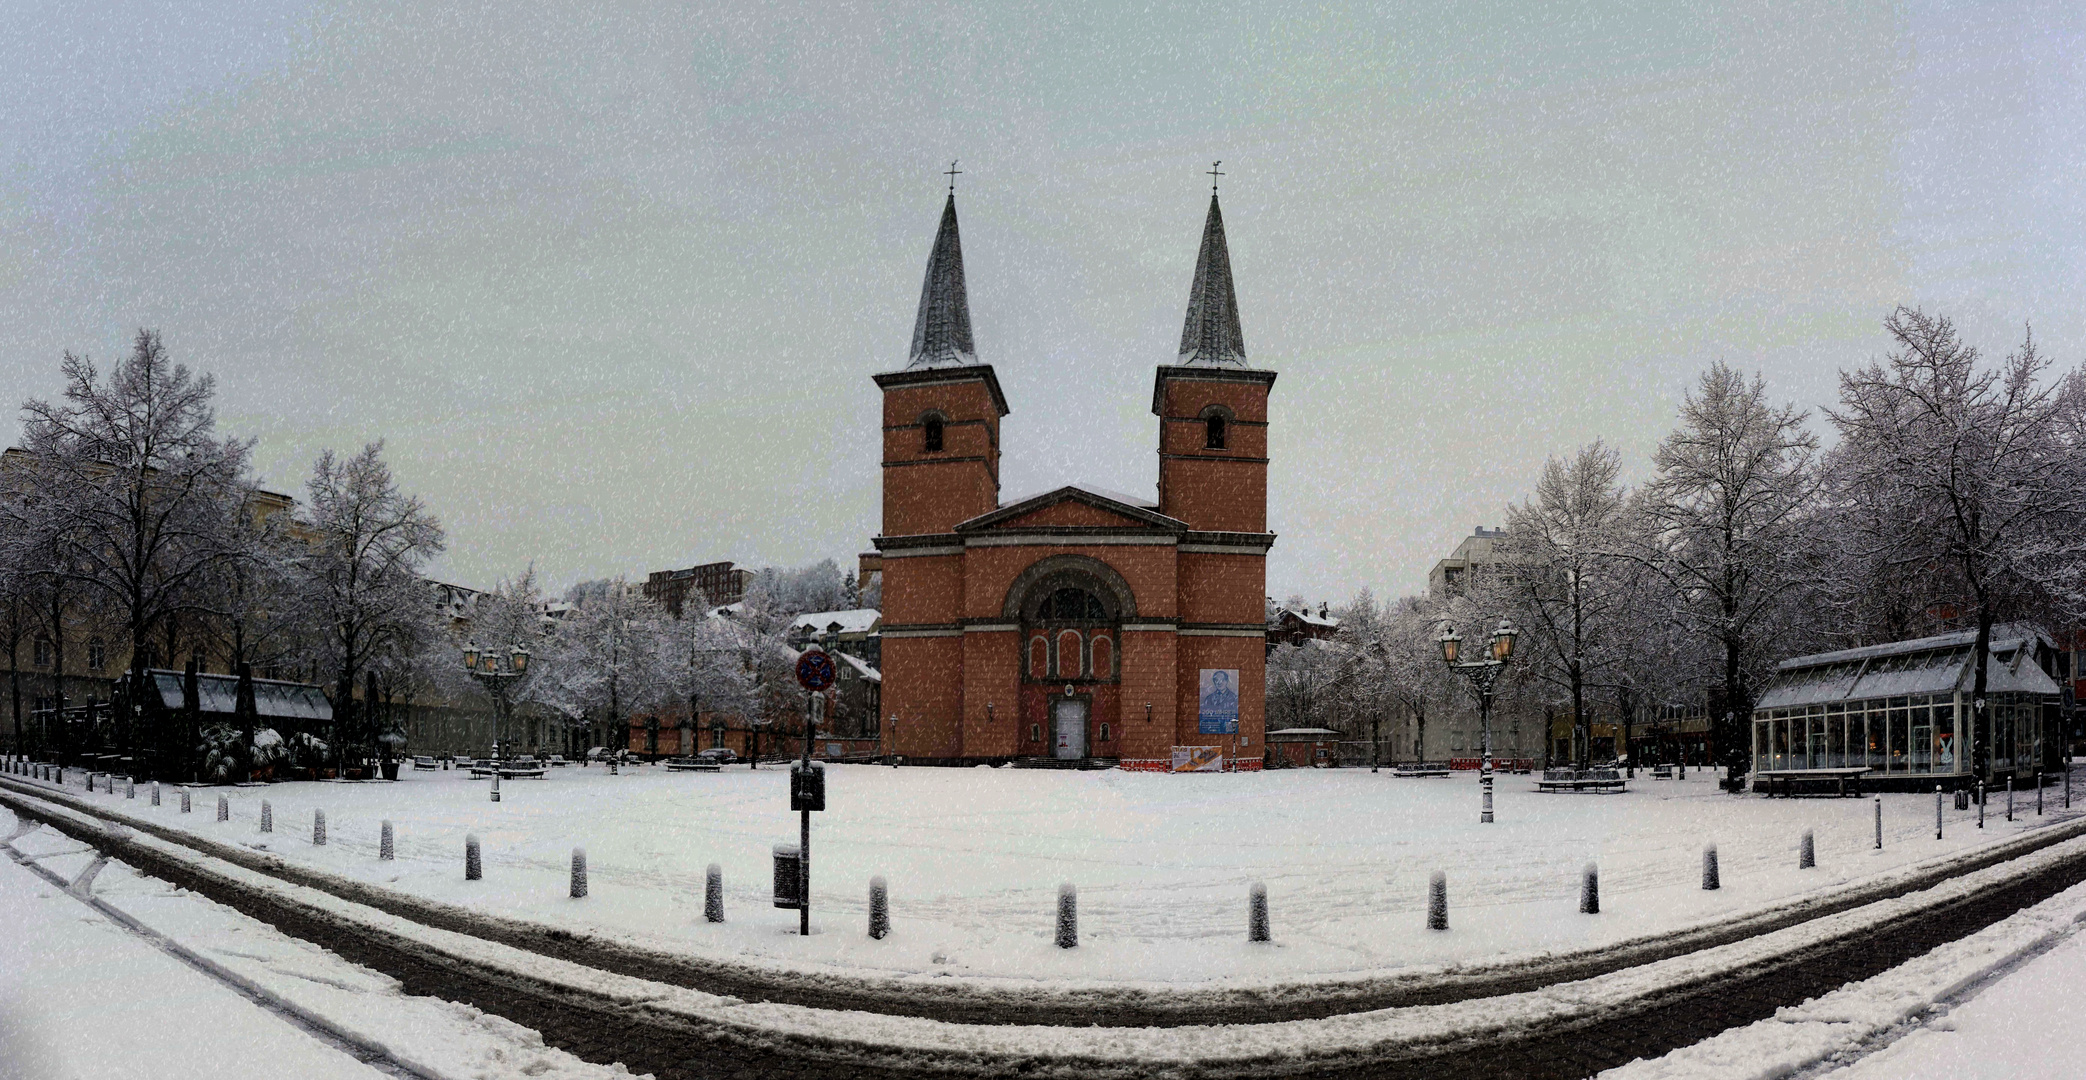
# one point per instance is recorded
(952, 174)
(1214, 174)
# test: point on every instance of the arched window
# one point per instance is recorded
(43, 651)
(1104, 659)
(1104, 731)
(1213, 431)
(932, 429)
(1072, 604)
(1039, 657)
(1035, 733)
(1068, 654)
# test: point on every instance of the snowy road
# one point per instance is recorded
(82, 996)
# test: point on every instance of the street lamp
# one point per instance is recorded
(497, 673)
(1483, 674)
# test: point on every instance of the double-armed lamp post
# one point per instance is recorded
(497, 672)
(1483, 674)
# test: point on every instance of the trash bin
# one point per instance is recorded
(788, 876)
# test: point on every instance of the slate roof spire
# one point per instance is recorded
(1211, 335)
(942, 330)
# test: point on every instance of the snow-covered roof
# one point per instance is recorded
(1941, 664)
(1300, 734)
(726, 611)
(1091, 489)
(272, 700)
(851, 621)
(863, 668)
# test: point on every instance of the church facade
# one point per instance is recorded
(1078, 624)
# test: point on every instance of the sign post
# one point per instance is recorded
(807, 789)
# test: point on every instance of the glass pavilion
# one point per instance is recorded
(1904, 710)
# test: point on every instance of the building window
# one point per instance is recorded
(1104, 732)
(1213, 431)
(196, 658)
(933, 434)
(97, 653)
(1035, 733)
(44, 651)
(1068, 654)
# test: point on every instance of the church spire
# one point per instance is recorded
(1211, 334)
(942, 330)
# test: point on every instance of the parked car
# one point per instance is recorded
(722, 755)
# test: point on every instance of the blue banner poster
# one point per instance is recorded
(1218, 713)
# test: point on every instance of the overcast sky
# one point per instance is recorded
(611, 282)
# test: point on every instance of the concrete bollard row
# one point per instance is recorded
(1590, 890)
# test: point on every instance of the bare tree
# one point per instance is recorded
(1564, 581)
(607, 655)
(146, 490)
(1976, 464)
(1726, 521)
(363, 568)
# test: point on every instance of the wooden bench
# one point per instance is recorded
(1793, 782)
(1576, 781)
(523, 772)
(1424, 769)
(1662, 772)
(691, 765)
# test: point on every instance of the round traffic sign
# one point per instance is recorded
(815, 670)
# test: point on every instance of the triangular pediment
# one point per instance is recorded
(1073, 507)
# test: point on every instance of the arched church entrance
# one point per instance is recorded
(1071, 611)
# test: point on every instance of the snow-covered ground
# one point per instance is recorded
(1162, 862)
(82, 997)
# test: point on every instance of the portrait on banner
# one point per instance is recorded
(1218, 711)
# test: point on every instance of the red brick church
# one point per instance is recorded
(1078, 624)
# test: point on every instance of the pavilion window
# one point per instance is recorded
(1922, 736)
(1946, 740)
(1835, 736)
(1900, 751)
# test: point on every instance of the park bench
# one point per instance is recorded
(1423, 768)
(1662, 772)
(1596, 781)
(522, 772)
(1790, 783)
(692, 765)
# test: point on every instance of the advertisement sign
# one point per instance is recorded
(1218, 711)
(1198, 759)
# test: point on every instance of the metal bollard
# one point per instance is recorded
(713, 894)
(579, 873)
(1257, 913)
(879, 909)
(1937, 811)
(384, 842)
(224, 808)
(318, 828)
(1067, 916)
(1806, 853)
(1879, 823)
(473, 869)
(1438, 901)
(1710, 881)
(267, 817)
(2009, 797)
(1590, 891)
(1980, 804)
(2038, 794)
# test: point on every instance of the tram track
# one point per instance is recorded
(605, 1017)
